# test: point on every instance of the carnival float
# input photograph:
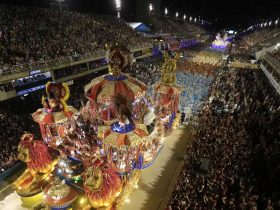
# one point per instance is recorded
(94, 157)
(166, 95)
(221, 42)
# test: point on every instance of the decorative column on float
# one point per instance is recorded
(167, 93)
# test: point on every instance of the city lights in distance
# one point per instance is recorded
(177, 14)
(185, 16)
(118, 4)
(151, 7)
(166, 11)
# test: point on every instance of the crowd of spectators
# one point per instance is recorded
(234, 160)
(29, 35)
(15, 118)
(274, 57)
(276, 53)
(146, 70)
(257, 40)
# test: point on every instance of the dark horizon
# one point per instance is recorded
(222, 14)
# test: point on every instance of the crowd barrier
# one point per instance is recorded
(274, 62)
(271, 78)
(19, 165)
(60, 61)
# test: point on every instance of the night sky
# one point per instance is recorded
(228, 13)
(221, 13)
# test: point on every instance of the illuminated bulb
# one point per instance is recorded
(19, 187)
(82, 200)
(127, 200)
(136, 186)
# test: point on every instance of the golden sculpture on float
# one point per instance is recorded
(39, 166)
(166, 94)
(169, 69)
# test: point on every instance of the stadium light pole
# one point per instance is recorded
(150, 8)
(166, 11)
(118, 5)
(60, 4)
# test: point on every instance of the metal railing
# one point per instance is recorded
(273, 62)
(54, 63)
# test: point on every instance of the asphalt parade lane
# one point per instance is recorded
(157, 182)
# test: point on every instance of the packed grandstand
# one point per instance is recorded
(232, 106)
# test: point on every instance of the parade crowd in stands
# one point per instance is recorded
(234, 160)
(257, 40)
(276, 53)
(146, 70)
(30, 35)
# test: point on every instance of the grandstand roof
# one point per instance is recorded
(139, 26)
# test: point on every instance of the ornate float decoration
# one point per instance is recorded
(53, 119)
(102, 185)
(101, 90)
(127, 144)
(166, 94)
(58, 195)
(39, 166)
(221, 42)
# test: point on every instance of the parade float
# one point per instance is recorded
(221, 42)
(95, 158)
(54, 117)
(100, 90)
(166, 95)
(39, 166)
